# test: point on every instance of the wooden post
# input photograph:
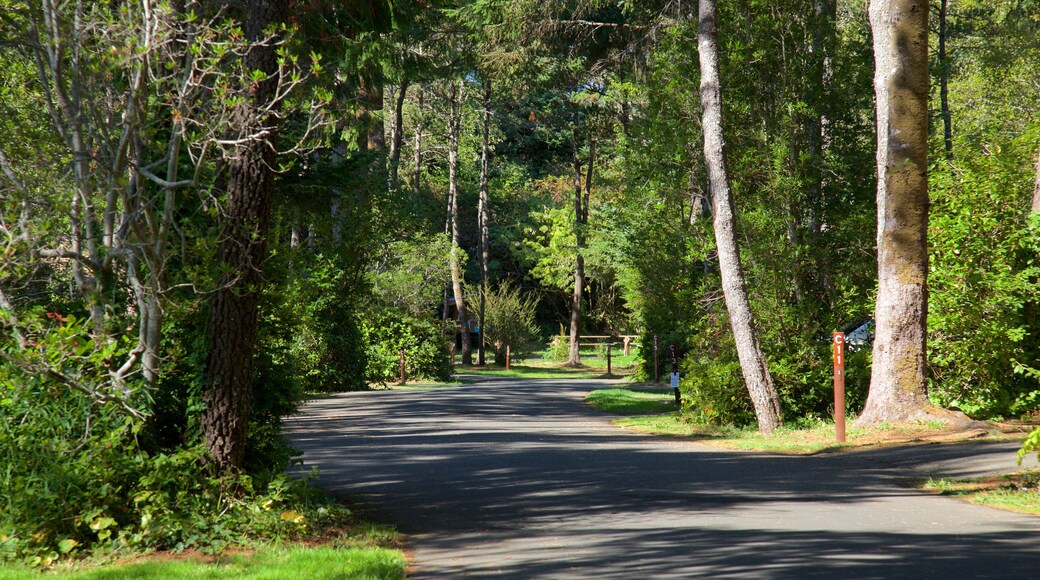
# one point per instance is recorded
(839, 386)
(403, 376)
(507, 357)
(628, 346)
(608, 358)
(657, 364)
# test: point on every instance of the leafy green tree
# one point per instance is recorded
(510, 321)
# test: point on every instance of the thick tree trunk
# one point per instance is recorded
(899, 374)
(454, 130)
(944, 77)
(752, 362)
(372, 136)
(482, 213)
(397, 136)
(234, 306)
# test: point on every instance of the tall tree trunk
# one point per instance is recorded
(370, 97)
(823, 41)
(898, 377)
(454, 131)
(234, 306)
(944, 78)
(417, 147)
(581, 219)
(1035, 208)
(482, 213)
(752, 362)
(397, 136)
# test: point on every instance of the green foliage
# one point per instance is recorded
(509, 321)
(425, 345)
(712, 387)
(77, 476)
(983, 283)
(327, 341)
(411, 274)
(559, 348)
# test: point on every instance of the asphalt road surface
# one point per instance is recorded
(519, 479)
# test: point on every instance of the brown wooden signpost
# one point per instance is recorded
(839, 386)
(657, 366)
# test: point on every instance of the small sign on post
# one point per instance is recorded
(839, 386)
(657, 365)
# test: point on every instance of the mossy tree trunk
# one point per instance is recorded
(898, 377)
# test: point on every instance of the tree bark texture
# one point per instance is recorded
(482, 213)
(582, 193)
(370, 98)
(898, 377)
(397, 137)
(944, 78)
(454, 130)
(233, 308)
(417, 146)
(752, 361)
(1035, 207)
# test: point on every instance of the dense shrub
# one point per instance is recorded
(983, 285)
(314, 310)
(425, 345)
(510, 322)
(77, 474)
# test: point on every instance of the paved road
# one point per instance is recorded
(519, 479)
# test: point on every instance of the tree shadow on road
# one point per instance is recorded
(523, 480)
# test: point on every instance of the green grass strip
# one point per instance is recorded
(266, 563)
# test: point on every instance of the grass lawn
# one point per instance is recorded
(1016, 492)
(632, 402)
(642, 408)
(531, 372)
(264, 561)
(536, 367)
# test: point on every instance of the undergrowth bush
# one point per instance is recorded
(79, 475)
(425, 345)
(510, 322)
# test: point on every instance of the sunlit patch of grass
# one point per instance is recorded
(631, 402)
(1016, 492)
(532, 372)
(803, 437)
(289, 562)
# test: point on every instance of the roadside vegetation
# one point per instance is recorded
(643, 408)
(269, 561)
(1016, 492)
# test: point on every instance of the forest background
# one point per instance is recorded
(329, 184)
